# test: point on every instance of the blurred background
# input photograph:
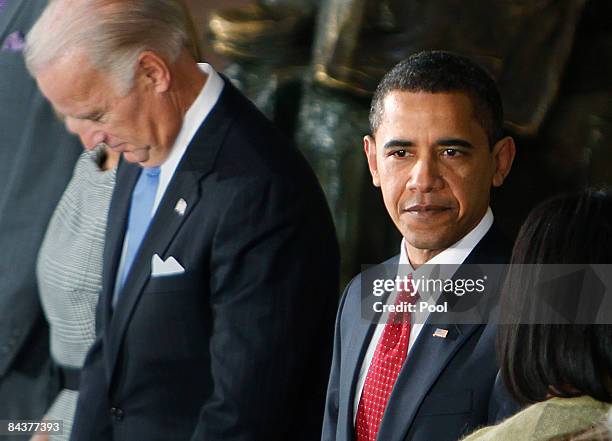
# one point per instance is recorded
(201, 11)
(311, 66)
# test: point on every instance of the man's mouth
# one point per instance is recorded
(426, 211)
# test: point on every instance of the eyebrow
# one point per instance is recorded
(448, 142)
(444, 142)
(394, 143)
(90, 115)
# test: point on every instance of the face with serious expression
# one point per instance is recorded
(432, 160)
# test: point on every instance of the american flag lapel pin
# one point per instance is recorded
(180, 207)
(442, 333)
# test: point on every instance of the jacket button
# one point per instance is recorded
(117, 413)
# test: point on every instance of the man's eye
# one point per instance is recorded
(400, 153)
(451, 152)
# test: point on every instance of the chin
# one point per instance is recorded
(429, 245)
(428, 240)
(136, 157)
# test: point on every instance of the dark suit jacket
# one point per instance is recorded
(238, 347)
(37, 156)
(444, 389)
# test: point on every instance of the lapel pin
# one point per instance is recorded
(180, 206)
(442, 333)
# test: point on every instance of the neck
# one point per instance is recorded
(187, 83)
(418, 257)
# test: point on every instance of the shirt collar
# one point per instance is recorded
(195, 116)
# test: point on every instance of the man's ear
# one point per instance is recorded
(503, 155)
(369, 147)
(153, 70)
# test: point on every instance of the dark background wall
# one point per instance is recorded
(571, 147)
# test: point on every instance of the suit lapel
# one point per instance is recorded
(164, 226)
(430, 355)
(197, 162)
(361, 335)
(127, 175)
(427, 359)
(362, 331)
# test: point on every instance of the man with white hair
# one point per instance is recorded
(221, 261)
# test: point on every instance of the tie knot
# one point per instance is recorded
(406, 292)
(151, 172)
(407, 296)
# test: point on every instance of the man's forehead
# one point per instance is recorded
(426, 111)
(74, 63)
(420, 100)
(69, 81)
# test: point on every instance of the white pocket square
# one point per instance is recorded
(169, 267)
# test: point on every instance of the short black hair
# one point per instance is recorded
(439, 72)
(562, 360)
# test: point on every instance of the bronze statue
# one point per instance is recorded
(313, 67)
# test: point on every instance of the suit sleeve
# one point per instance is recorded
(274, 269)
(330, 417)
(501, 404)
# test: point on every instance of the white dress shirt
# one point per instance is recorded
(195, 116)
(453, 256)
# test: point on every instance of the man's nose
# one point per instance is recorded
(89, 136)
(425, 176)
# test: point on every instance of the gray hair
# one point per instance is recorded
(113, 33)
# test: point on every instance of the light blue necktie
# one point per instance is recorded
(140, 216)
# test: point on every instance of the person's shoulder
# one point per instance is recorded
(90, 170)
(545, 420)
(253, 150)
(571, 414)
(84, 166)
(493, 248)
(247, 118)
(519, 426)
(483, 434)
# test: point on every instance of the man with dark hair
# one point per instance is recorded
(436, 149)
(438, 71)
